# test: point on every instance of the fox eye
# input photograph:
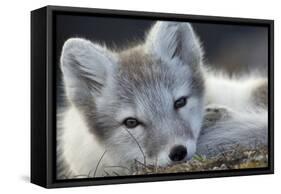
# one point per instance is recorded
(131, 122)
(181, 102)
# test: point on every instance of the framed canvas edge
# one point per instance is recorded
(51, 181)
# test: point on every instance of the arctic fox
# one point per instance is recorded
(156, 103)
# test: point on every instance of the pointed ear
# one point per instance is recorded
(85, 67)
(170, 40)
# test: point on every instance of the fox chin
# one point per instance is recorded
(155, 103)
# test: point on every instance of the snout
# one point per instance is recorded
(178, 153)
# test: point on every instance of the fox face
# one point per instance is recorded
(144, 103)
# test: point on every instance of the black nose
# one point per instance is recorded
(178, 153)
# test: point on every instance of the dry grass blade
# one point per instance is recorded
(115, 173)
(96, 169)
(144, 158)
(117, 167)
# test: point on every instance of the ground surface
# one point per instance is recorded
(236, 159)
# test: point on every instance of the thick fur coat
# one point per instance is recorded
(142, 103)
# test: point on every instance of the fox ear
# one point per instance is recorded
(175, 39)
(85, 67)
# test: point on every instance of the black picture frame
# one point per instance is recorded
(43, 96)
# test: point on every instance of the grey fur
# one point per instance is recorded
(144, 80)
(224, 129)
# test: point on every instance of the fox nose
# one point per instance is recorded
(178, 153)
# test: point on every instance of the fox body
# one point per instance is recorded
(155, 103)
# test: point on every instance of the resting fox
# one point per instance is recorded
(156, 103)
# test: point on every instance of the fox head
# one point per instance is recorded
(143, 103)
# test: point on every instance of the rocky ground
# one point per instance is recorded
(236, 159)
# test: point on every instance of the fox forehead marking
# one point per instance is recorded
(134, 57)
(144, 69)
(140, 67)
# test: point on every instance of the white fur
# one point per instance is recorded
(82, 150)
(234, 92)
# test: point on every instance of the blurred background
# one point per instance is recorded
(235, 49)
